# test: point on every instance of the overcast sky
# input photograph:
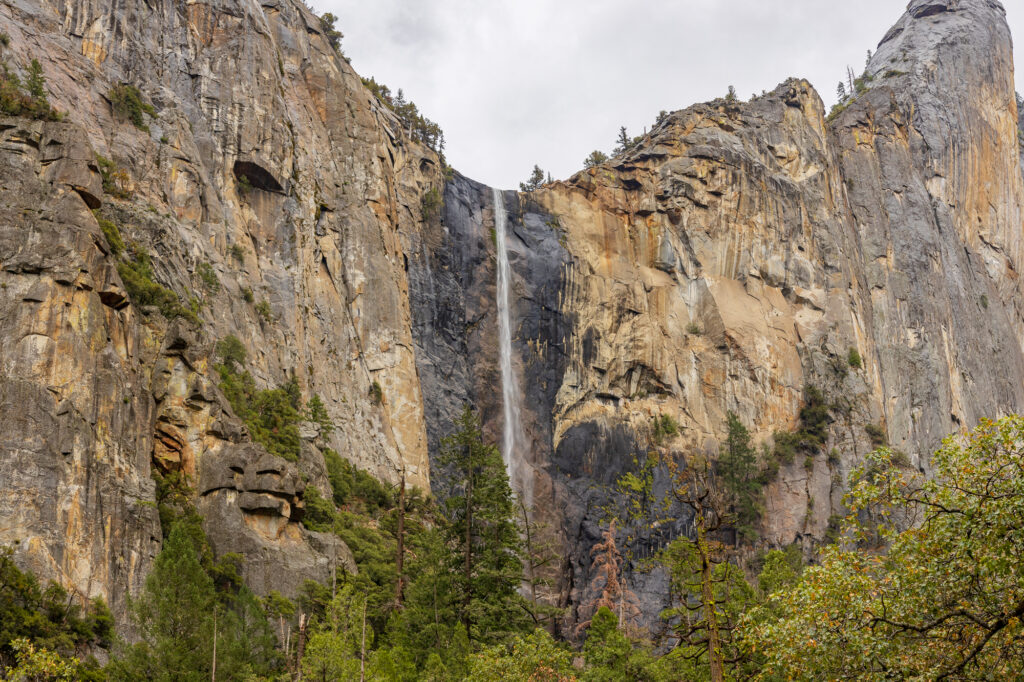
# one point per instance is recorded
(518, 82)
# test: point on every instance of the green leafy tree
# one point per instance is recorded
(945, 601)
(534, 657)
(428, 624)
(36, 664)
(708, 605)
(337, 645)
(483, 535)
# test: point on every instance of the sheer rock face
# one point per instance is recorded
(736, 255)
(733, 256)
(268, 164)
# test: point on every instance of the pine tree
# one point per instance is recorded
(841, 92)
(175, 613)
(740, 475)
(623, 142)
(535, 181)
(482, 531)
(36, 82)
(174, 616)
(596, 158)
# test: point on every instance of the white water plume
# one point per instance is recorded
(512, 436)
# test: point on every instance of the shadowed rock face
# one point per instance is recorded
(733, 256)
(736, 255)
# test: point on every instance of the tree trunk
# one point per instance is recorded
(708, 598)
(301, 646)
(213, 671)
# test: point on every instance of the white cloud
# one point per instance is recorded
(515, 83)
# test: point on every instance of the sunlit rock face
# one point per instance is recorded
(732, 257)
(736, 255)
(271, 166)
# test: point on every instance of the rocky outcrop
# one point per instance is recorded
(743, 251)
(275, 196)
(76, 433)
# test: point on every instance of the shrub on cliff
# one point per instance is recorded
(137, 275)
(596, 158)
(27, 99)
(126, 101)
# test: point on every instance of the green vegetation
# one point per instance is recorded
(247, 295)
(316, 412)
(208, 277)
(126, 101)
(665, 427)
(431, 203)
(334, 36)
(237, 252)
(535, 180)
(853, 358)
(376, 393)
(742, 478)
(264, 311)
(272, 415)
(354, 489)
(111, 232)
(418, 127)
(191, 606)
(115, 180)
(984, 301)
(694, 329)
(596, 158)
(876, 434)
(28, 99)
(945, 598)
(40, 624)
(136, 270)
(811, 434)
(245, 187)
(855, 86)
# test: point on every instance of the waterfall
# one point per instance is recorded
(512, 436)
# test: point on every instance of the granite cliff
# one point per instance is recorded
(735, 255)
